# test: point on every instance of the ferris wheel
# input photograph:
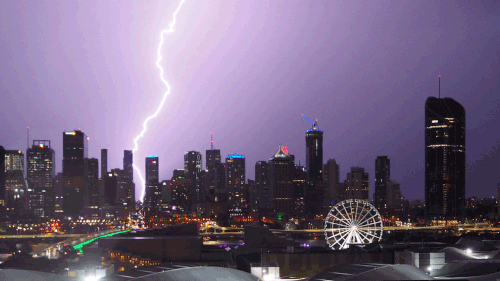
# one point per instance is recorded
(352, 221)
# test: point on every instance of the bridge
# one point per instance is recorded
(53, 250)
(227, 231)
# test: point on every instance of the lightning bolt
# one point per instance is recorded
(144, 125)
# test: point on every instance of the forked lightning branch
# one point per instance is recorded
(162, 102)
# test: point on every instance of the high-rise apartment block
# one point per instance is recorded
(444, 158)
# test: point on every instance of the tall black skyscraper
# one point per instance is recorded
(104, 162)
(281, 175)
(74, 153)
(331, 181)
(40, 175)
(262, 185)
(314, 166)
(382, 178)
(444, 158)
(212, 178)
(152, 184)
(129, 193)
(91, 200)
(110, 188)
(128, 161)
(192, 166)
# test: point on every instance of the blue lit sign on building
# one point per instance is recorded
(236, 155)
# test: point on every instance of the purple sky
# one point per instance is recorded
(246, 71)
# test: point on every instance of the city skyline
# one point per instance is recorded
(247, 77)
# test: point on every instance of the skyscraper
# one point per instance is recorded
(91, 199)
(192, 166)
(129, 191)
(262, 185)
(444, 158)
(213, 165)
(110, 188)
(59, 195)
(74, 153)
(235, 181)
(16, 186)
(14, 160)
(331, 177)
(314, 166)
(213, 158)
(382, 177)
(104, 162)
(356, 184)
(40, 176)
(152, 186)
(128, 161)
(281, 174)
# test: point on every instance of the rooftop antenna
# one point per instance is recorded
(439, 86)
(28, 140)
(211, 141)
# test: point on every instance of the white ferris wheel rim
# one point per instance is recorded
(352, 221)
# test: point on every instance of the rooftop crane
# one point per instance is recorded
(315, 124)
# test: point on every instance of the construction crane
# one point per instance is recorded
(314, 124)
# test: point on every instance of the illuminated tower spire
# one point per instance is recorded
(211, 141)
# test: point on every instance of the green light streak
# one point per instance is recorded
(80, 246)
